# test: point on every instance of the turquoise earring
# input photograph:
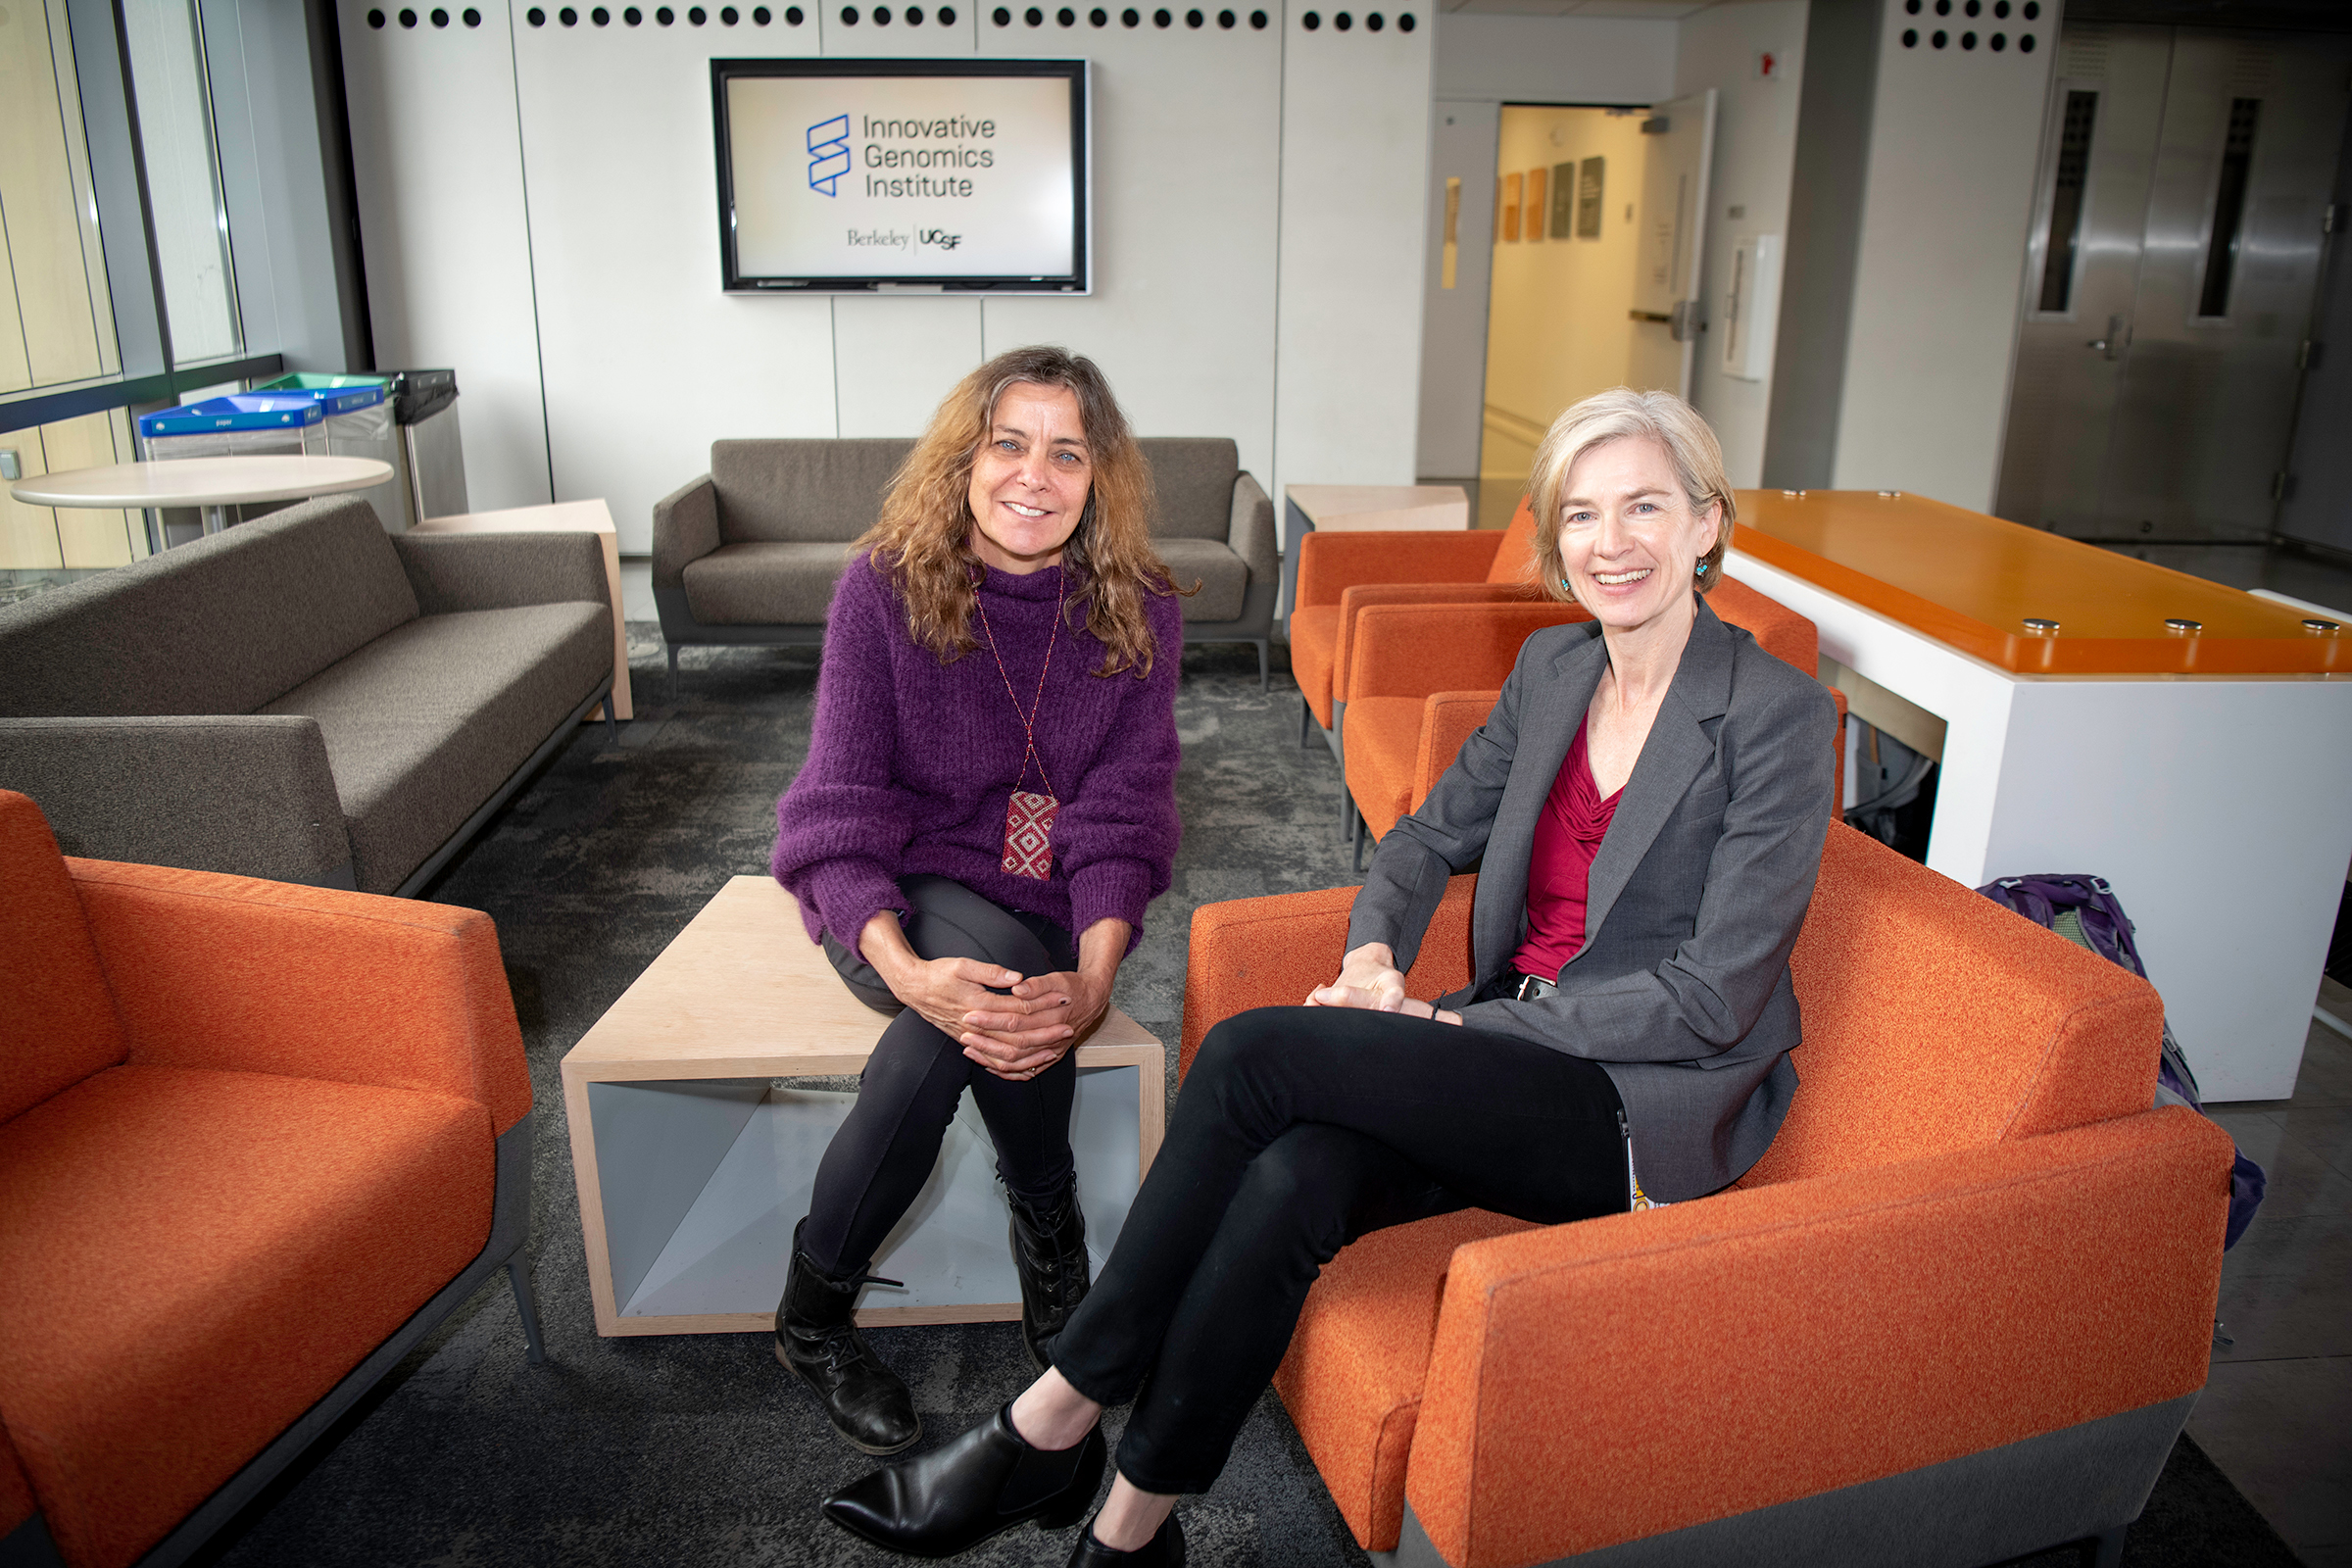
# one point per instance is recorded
(1702, 568)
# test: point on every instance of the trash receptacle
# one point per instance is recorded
(358, 425)
(424, 408)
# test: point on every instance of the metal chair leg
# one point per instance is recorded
(612, 724)
(526, 1307)
(1357, 853)
(2107, 1547)
(1265, 667)
(1307, 723)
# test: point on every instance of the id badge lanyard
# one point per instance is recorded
(1029, 819)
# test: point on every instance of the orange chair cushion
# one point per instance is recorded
(1515, 557)
(59, 1024)
(1314, 649)
(1384, 742)
(189, 1259)
(1351, 1379)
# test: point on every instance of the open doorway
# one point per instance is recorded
(1576, 272)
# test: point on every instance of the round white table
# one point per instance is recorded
(211, 483)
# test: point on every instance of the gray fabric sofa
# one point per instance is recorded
(303, 698)
(748, 553)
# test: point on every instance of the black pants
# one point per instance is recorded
(906, 1095)
(1299, 1130)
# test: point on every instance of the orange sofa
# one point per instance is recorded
(256, 1142)
(1340, 574)
(1957, 1314)
(1418, 672)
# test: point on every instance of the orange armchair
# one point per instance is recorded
(1957, 1314)
(1341, 573)
(1417, 675)
(256, 1142)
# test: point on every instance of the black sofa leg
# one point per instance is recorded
(1265, 669)
(526, 1307)
(1307, 723)
(2107, 1548)
(612, 724)
(673, 673)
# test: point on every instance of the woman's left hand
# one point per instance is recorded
(1072, 1001)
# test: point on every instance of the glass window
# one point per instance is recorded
(184, 178)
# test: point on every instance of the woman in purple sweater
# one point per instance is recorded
(988, 805)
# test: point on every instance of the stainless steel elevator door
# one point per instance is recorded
(2170, 274)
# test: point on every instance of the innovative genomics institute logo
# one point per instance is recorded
(828, 154)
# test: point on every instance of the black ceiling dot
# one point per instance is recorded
(1974, 8)
(1097, 18)
(407, 19)
(1162, 18)
(792, 16)
(1910, 37)
(2024, 42)
(473, 18)
(697, 16)
(1001, 17)
(1226, 20)
(1131, 17)
(375, 18)
(1194, 19)
(944, 16)
(1310, 22)
(880, 14)
(633, 17)
(761, 16)
(2031, 9)
(1405, 23)
(663, 15)
(1034, 17)
(1375, 22)
(1968, 40)
(729, 15)
(1066, 17)
(1939, 39)
(535, 17)
(600, 16)
(1257, 20)
(440, 19)
(849, 16)
(1999, 42)
(568, 17)
(913, 16)
(1342, 21)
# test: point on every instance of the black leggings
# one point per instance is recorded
(906, 1095)
(1299, 1130)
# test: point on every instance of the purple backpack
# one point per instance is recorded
(2083, 910)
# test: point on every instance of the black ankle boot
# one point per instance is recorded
(1166, 1550)
(1049, 1254)
(817, 1337)
(978, 1485)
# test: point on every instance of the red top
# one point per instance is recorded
(1567, 836)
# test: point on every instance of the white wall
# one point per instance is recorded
(1554, 59)
(1955, 138)
(1257, 200)
(1755, 157)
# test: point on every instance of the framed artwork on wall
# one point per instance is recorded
(1589, 182)
(1535, 203)
(1563, 199)
(1512, 184)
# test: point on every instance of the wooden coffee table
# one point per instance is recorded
(694, 1152)
(1361, 508)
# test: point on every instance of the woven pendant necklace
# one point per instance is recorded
(1029, 818)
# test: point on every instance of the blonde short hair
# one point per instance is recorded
(1613, 416)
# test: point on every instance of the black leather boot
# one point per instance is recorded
(817, 1337)
(978, 1485)
(1166, 1550)
(1049, 1254)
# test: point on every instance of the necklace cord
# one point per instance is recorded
(1028, 720)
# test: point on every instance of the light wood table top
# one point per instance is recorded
(1363, 508)
(1971, 581)
(743, 992)
(202, 481)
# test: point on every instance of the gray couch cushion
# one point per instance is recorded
(1193, 476)
(1223, 576)
(220, 625)
(801, 491)
(764, 584)
(424, 724)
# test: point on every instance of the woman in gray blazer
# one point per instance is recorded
(1646, 808)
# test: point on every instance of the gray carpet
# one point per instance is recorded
(698, 1449)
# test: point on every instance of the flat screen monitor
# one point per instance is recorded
(954, 175)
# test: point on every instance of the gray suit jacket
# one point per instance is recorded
(1681, 991)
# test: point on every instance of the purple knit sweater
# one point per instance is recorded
(912, 763)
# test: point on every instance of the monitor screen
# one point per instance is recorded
(964, 175)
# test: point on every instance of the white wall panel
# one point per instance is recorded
(1187, 144)
(1955, 137)
(1356, 111)
(647, 359)
(898, 358)
(1554, 59)
(435, 141)
(1755, 162)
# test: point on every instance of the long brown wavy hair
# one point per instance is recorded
(923, 542)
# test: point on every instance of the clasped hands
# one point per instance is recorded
(1015, 1036)
(1370, 979)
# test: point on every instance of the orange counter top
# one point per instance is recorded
(1972, 581)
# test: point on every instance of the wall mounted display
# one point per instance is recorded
(1588, 197)
(867, 175)
(1512, 185)
(1535, 203)
(1563, 199)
